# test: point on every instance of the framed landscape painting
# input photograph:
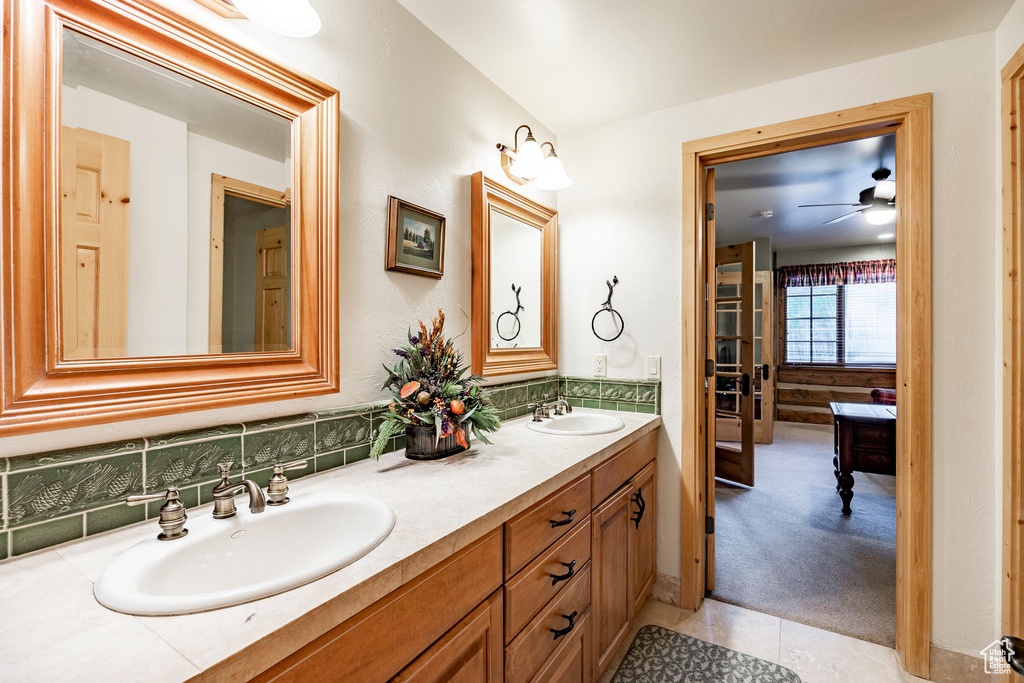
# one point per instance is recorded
(415, 239)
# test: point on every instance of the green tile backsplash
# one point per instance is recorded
(51, 498)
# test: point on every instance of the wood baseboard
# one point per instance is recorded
(949, 666)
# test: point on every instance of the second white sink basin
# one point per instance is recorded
(223, 562)
(578, 424)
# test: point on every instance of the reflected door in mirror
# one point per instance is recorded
(165, 270)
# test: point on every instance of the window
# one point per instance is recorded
(844, 324)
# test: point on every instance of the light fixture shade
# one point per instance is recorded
(553, 177)
(294, 18)
(880, 216)
(885, 189)
(529, 162)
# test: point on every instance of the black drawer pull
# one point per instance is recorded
(559, 632)
(555, 578)
(641, 505)
(562, 522)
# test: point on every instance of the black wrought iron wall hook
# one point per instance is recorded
(515, 316)
(606, 307)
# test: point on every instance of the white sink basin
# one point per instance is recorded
(578, 424)
(223, 562)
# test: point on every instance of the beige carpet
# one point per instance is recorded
(784, 548)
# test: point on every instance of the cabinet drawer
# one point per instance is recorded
(571, 662)
(529, 590)
(530, 649)
(535, 529)
(620, 468)
(377, 643)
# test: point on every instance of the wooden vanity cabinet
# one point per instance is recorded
(623, 547)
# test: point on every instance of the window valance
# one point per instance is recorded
(848, 273)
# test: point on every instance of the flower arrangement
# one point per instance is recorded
(430, 388)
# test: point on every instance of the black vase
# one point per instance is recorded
(421, 443)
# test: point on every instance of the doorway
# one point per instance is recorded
(909, 119)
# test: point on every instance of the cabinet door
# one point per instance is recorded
(642, 537)
(471, 652)
(572, 661)
(611, 598)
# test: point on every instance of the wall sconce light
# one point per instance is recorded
(294, 18)
(528, 165)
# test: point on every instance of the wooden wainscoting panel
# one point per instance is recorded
(881, 378)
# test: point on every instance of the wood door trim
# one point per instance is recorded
(40, 390)
(1013, 347)
(910, 118)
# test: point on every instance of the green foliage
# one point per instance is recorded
(430, 363)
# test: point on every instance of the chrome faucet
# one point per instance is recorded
(542, 410)
(224, 495)
(558, 406)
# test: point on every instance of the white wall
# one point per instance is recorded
(157, 238)
(622, 215)
(416, 122)
(517, 254)
(861, 252)
(205, 157)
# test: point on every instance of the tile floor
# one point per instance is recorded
(816, 656)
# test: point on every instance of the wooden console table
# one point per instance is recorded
(865, 441)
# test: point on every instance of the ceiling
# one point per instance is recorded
(782, 182)
(207, 111)
(579, 63)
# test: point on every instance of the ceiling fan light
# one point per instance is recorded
(885, 189)
(529, 162)
(293, 18)
(553, 177)
(880, 216)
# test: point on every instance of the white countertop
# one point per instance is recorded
(52, 628)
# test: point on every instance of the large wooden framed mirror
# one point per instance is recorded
(169, 220)
(515, 281)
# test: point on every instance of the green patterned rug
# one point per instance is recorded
(658, 655)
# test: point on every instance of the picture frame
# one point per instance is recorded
(415, 241)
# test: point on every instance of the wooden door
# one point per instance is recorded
(642, 537)
(611, 599)
(471, 652)
(94, 244)
(730, 428)
(734, 365)
(272, 289)
(572, 662)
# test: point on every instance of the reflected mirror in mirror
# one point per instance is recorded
(517, 263)
(175, 226)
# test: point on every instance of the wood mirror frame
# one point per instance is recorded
(487, 360)
(41, 390)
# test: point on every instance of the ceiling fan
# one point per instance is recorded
(876, 203)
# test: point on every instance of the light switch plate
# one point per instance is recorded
(600, 366)
(653, 367)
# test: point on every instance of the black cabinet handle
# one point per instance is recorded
(562, 522)
(641, 505)
(559, 632)
(555, 578)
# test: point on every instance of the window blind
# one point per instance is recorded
(845, 324)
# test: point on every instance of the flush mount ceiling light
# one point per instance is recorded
(293, 18)
(527, 164)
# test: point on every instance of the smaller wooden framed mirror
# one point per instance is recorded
(515, 282)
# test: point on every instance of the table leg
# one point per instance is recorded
(835, 463)
(846, 491)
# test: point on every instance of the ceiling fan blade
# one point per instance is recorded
(804, 206)
(841, 218)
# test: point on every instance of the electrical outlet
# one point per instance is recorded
(653, 367)
(600, 366)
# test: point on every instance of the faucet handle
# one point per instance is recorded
(224, 468)
(172, 512)
(277, 487)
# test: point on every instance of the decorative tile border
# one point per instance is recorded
(51, 498)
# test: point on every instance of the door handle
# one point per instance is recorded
(764, 371)
(745, 384)
(641, 505)
(562, 522)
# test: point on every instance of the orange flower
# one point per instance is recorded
(460, 438)
(410, 389)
